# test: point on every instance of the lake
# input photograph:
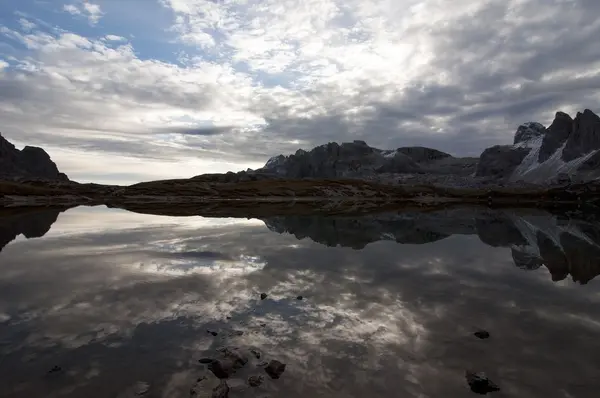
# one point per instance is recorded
(98, 302)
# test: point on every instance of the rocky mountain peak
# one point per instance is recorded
(557, 135)
(528, 131)
(584, 137)
(31, 162)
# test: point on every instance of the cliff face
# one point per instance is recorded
(568, 149)
(29, 163)
(357, 160)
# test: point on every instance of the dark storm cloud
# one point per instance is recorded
(505, 66)
(201, 130)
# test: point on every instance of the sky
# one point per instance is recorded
(121, 91)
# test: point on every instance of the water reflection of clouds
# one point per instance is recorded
(390, 319)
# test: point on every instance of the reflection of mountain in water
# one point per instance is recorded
(31, 223)
(566, 246)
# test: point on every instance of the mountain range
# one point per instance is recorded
(555, 164)
(567, 149)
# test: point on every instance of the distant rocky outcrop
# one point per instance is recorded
(568, 150)
(357, 160)
(29, 163)
(565, 246)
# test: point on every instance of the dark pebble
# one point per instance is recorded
(55, 369)
(480, 384)
(255, 381)
(206, 360)
(255, 353)
(221, 391)
(482, 334)
(218, 369)
(275, 369)
(263, 296)
(299, 298)
(213, 333)
(263, 325)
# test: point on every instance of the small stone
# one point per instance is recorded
(479, 383)
(275, 369)
(299, 298)
(219, 369)
(212, 332)
(55, 369)
(482, 334)
(221, 391)
(263, 296)
(263, 325)
(141, 388)
(255, 353)
(228, 317)
(255, 381)
(205, 360)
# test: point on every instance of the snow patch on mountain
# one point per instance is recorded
(531, 170)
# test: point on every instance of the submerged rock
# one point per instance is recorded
(263, 296)
(255, 381)
(479, 383)
(231, 359)
(275, 369)
(482, 334)
(256, 353)
(209, 386)
(221, 391)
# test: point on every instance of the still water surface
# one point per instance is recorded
(98, 302)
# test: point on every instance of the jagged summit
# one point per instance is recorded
(567, 149)
(29, 163)
(358, 159)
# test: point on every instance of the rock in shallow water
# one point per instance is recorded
(221, 391)
(275, 368)
(479, 383)
(255, 381)
(263, 296)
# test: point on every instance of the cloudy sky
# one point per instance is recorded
(119, 91)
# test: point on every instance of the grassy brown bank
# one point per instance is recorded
(359, 192)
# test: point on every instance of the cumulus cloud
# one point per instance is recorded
(457, 76)
(91, 11)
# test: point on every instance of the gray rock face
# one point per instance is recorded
(355, 159)
(500, 161)
(584, 137)
(31, 162)
(529, 131)
(423, 154)
(569, 148)
(555, 137)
